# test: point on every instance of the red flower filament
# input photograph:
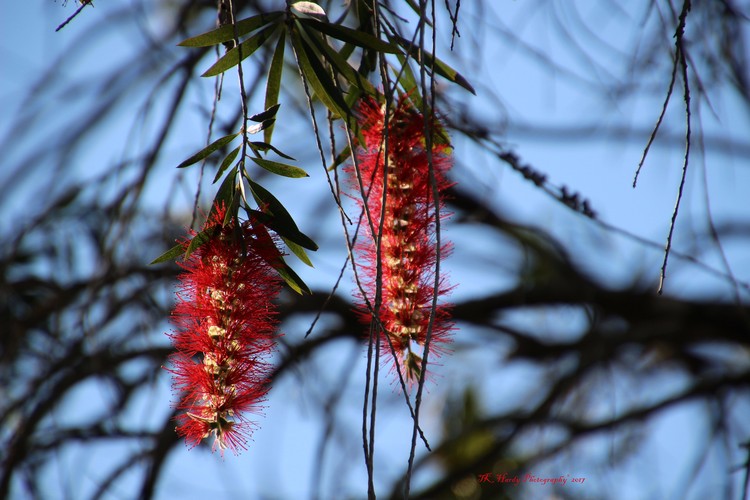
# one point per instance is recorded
(225, 323)
(408, 252)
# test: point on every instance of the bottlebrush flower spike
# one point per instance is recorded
(407, 242)
(225, 323)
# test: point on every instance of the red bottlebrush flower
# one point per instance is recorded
(407, 241)
(225, 323)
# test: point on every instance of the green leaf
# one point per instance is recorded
(200, 239)
(318, 77)
(356, 37)
(232, 57)
(344, 155)
(226, 32)
(275, 217)
(226, 194)
(227, 161)
(293, 280)
(432, 62)
(280, 168)
(273, 83)
(298, 251)
(339, 63)
(269, 113)
(409, 82)
(170, 254)
(264, 146)
(205, 152)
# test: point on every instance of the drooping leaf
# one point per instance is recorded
(408, 81)
(273, 82)
(341, 157)
(432, 62)
(225, 196)
(276, 217)
(275, 258)
(356, 37)
(280, 168)
(170, 254)
(339, 64)
(232, 57)
(298, 251)
(199, 240)
(268, 114)
(225, 164)
(208, 150)
(293, 280)
(264, 146)
(318, 77)
(227, 32)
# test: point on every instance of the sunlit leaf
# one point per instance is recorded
(232, 57)
(261, 126)
(211, 148)
(298, 251)
(227, 32)
(309, 10)
(293, 280)
(280, 168)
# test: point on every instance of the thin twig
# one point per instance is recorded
(682, 60)
(84, 3)
(454, 20)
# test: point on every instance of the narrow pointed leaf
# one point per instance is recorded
(298, 251)
(227, 32)
(170, 254)
(269, 113)
(205, 152)
(232, 57)
(293, 280)
(344, 155)
(277, 218)
(273, 82)
(318, 78)
(340, 64)
(225, 196)
(356, 37)
(199, 240)
(408, 81)
(264, 146)
(439, 66)
(280, 168)
(225, 164)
